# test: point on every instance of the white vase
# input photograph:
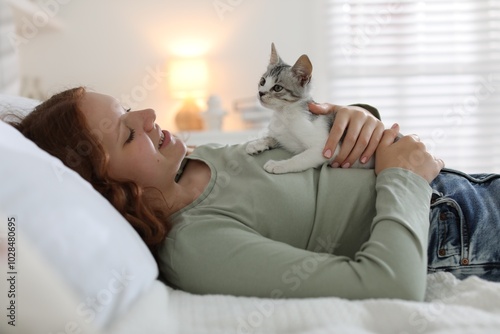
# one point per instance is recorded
(214, 114)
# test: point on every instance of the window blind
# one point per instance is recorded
(431, 66)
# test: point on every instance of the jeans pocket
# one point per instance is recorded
(446, 235)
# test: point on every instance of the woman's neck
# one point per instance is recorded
(191, 184)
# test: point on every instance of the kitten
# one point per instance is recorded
(285, 90)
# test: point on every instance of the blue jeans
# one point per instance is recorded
(464, 235)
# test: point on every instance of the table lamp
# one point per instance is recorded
(188, 78)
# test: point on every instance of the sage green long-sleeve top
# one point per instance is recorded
(322, 232)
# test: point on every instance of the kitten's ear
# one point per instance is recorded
(275, 58)
(303, 69)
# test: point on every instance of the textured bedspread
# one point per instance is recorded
(451, 306)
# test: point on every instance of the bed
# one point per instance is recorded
(76, 266)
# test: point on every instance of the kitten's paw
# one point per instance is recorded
(256, 147)
(276, 167)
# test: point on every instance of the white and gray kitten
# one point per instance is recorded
(286, 90)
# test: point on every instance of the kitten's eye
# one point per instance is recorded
(277, 88)
(127, 109)
(262, 81)
(131, 136)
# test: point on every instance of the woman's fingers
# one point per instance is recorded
(362, 135)
(389, 136)
(321, 108)
(366, 143)
(372, 145)
(359, 131)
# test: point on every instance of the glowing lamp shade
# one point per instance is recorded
(188, 79)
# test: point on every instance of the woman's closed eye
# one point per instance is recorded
(132, 131)
(131, 136)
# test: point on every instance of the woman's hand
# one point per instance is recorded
(408, 153)
(363, 132)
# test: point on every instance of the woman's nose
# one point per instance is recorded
(147, 117)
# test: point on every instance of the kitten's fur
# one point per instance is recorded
(285, 89)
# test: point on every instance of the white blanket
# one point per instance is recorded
(451, 306)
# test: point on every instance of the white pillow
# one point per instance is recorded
(16, 105)
(35, 299)
(92, 247)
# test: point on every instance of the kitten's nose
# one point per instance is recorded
(261, 94)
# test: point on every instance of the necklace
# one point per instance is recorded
(181, 169)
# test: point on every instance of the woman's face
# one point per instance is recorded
(138, 149)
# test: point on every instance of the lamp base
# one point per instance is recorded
(188, 117)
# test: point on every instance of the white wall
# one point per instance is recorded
(113, 46)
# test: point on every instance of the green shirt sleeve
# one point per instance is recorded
(220, 256)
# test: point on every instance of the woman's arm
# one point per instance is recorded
(225, 257)
(361, 127)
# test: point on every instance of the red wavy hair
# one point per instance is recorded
(59, 127)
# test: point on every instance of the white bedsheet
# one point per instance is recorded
(452, 306)
(151, 314)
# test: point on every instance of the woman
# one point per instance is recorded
(218, 223)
